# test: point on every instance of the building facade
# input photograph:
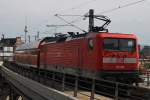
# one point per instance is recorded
(7, 47)
(145, 52)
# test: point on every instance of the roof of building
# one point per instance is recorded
(7, 42)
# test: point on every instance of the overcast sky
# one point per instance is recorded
(14, 14)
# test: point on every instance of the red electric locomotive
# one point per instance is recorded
(96, 54)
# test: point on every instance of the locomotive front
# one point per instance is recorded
(119, 56)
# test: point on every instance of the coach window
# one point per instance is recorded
(90, 44)
(1, 48)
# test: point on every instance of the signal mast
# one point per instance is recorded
(25, 31)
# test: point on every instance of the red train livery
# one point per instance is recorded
(96, 54)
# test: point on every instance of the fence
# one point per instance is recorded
(76, 84)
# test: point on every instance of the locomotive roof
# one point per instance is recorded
(35, 44)
(116, 35)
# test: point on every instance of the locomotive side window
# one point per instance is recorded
(90, 44)
(119, 44)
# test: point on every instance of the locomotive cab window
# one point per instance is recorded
(127, 45)
(112, 44)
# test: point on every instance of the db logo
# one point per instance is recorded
(120, 60)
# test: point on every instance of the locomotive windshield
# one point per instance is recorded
(112, 44)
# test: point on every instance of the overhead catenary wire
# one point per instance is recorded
(78, 6)
(106, 11)
(70, 23)
(75, 7)
(87, 2)
(72, 8)
(77, 19)
(83, 4)
(119, 7)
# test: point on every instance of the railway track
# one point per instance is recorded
(64, 82)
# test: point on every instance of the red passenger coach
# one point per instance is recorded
(27, 54)
(96, 54)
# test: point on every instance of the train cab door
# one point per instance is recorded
(42, 56)
(45, 57)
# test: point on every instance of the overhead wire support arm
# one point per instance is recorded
(91, 17)
(75, 20)
(69, 15)
(70, 23)
(57, 25)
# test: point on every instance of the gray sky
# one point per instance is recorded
(14, 14)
